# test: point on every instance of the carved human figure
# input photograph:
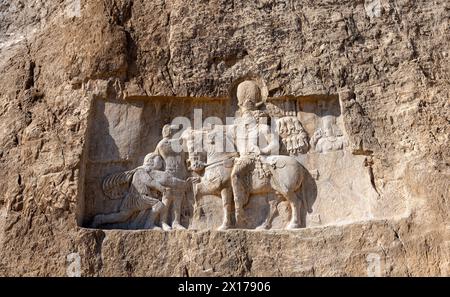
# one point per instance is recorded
(147, 182)
(282, 175)
(293, 135)
(175, 165)
(252, 138)
(329, 137)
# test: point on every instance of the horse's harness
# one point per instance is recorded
(221, 161)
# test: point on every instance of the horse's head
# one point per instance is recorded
(193, 144)
(219, 142)
(207, 146)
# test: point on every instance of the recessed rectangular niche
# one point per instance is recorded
(337, 187)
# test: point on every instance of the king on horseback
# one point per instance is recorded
(253, 138)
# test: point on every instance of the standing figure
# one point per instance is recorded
(175, 165)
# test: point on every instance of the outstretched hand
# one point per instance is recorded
(318, 134)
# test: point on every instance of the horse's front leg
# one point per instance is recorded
(227, 200)
(198, 190)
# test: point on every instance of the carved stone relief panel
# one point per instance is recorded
(248, 161)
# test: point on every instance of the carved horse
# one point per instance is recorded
(285, 176)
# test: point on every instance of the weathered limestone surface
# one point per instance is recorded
(389, 67)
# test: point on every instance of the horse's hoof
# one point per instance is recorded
(177, 226)
(293, 226)
(263, 227)
(152, 227)
(241, 223)
(223, 228)
(166, 227)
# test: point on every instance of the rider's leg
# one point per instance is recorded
(240, 194)
(241, 183)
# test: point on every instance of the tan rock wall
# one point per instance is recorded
(55, 60)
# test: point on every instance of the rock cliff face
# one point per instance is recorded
(386, 60)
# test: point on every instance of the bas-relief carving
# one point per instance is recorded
(328, 137)
(158, 185)
(262, 171)
(143, 188)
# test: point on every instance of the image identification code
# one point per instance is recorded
(224, 287)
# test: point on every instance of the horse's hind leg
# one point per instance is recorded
(227, 200)
(273, 212)
(295, 210)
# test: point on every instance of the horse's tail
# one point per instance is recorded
(115, 184)
(302, 198)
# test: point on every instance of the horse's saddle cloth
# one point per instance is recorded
(264, 166)
(273, 163)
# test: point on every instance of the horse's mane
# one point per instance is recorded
(198, 148)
